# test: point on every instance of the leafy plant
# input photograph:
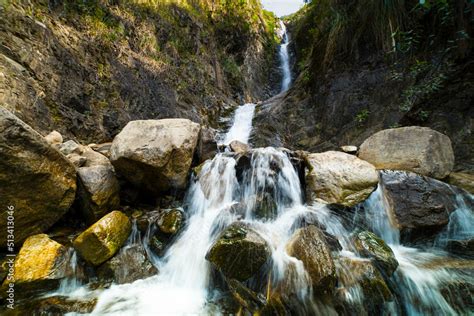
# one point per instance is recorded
(362, 116)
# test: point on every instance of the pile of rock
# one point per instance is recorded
(44, 177)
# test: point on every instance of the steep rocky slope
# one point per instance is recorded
(368, 65)
(86, 68)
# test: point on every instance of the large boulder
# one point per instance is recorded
(128, 265)
(339, 178)
(35, 179)
(417, 204)
(370, 245)
(103, 239)
(40, 265)
(156, 154)
(98, 189)
(308, 245)
(239, 252)
(418, 149)
(207, 145)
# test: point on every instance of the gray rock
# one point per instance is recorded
(370, 245)
(239, 147)
(417, 204)
(309, 245)
(340, 178)
(207, 145)
(77, 160)
(239, 252)
(130, 264)
(349, 149)
(70, 147)
(156, 154)
(54, 138)
(35, 179)
(418, 149)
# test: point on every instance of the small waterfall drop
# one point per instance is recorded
(422, 277)
(284, 57)
(242, 124)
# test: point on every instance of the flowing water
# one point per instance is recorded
(284, 58)
(423, 275)
(184, 286)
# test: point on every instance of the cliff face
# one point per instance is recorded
(87, 68)
(364, 66)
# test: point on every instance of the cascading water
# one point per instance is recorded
(242, 124)
(184, 271)
(421, 275)
(270, 196)
(284, 57)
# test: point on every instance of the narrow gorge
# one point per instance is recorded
(202, 158)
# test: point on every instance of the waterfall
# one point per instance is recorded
(421, 275)
(284, 57)
(242, 124)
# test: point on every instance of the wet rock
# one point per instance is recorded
(98, 190)
(207, 144)
(356, 272)
(54, 138)
(370, 245)
(39, 266)
(417, 204)
(349, 149)
(459, 294)
(418, 149)
(239, 147)
(156, 154)
(247, 298)
(157, 246)
(104, 238)
(239, 252)
(308, 245)
(170, 222)
(55, 305)
(464, 248)
(274, 307)
(336, 177)
(35, 179)
(264, 205)
(243, 163)
(463, 180)
(127, 266)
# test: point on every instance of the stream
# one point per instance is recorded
(184, 284)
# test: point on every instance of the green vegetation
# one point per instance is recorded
(362, 116)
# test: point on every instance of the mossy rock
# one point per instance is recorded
(363, 273)
(103, 239)
(39, 266)
(239, 252)
(171, 221)
(370, 245)
(309, 245)
(247, 298)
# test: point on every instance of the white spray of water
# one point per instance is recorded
(242, 124)
(284, 58)
(421, 275)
